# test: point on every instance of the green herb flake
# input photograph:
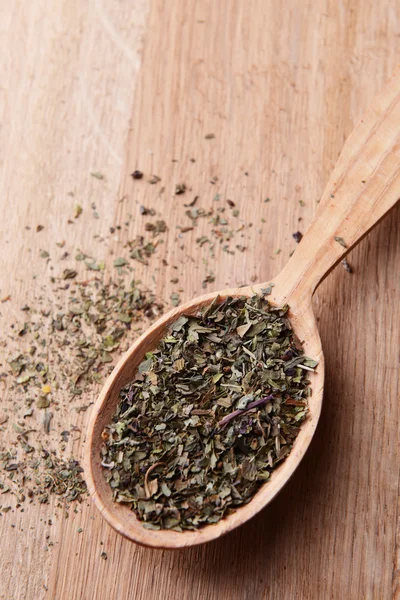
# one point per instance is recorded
(180, 188)
(340, 241)
(120, 262)
(175, 299)
(77, 211)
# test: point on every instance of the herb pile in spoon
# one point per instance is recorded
(209, 414)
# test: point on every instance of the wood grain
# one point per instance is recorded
(281, 86)
(361, 190)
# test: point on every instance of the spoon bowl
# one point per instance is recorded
(363, 187)
(119, 515)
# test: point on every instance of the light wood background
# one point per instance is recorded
(111, 86)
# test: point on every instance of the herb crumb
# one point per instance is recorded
(180, 188)
(97, 175)
(340, 241)
(346, 265)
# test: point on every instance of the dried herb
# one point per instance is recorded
(69, 274)
(192, 203)
(209, 414)
(77, 210)
(298, 236)
(43, 476)
(340, 241)
(180, 188)
(210, 278)
(346, 265)
(157, 227)
(141, 249)
(97, 175)
(70, 341)
(120, 262)
(43, 402)
(137, 174)
(175, 299)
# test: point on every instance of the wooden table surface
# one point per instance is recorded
(112, 86)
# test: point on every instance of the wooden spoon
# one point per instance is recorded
(363, 187)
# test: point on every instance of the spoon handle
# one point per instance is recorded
(363, 187)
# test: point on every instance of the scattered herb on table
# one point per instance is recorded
(298, 236)
(42, 476)
(146, 211)
(346, 265)
(77, 211)
(70, 339)
(180, 188)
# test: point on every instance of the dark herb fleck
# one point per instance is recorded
(180, 188)
(346, 265)
(69, 274)
(97, 175)
(192, 203)
(146, 211)
(298, 236)
(120, 262)
(157, 227)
